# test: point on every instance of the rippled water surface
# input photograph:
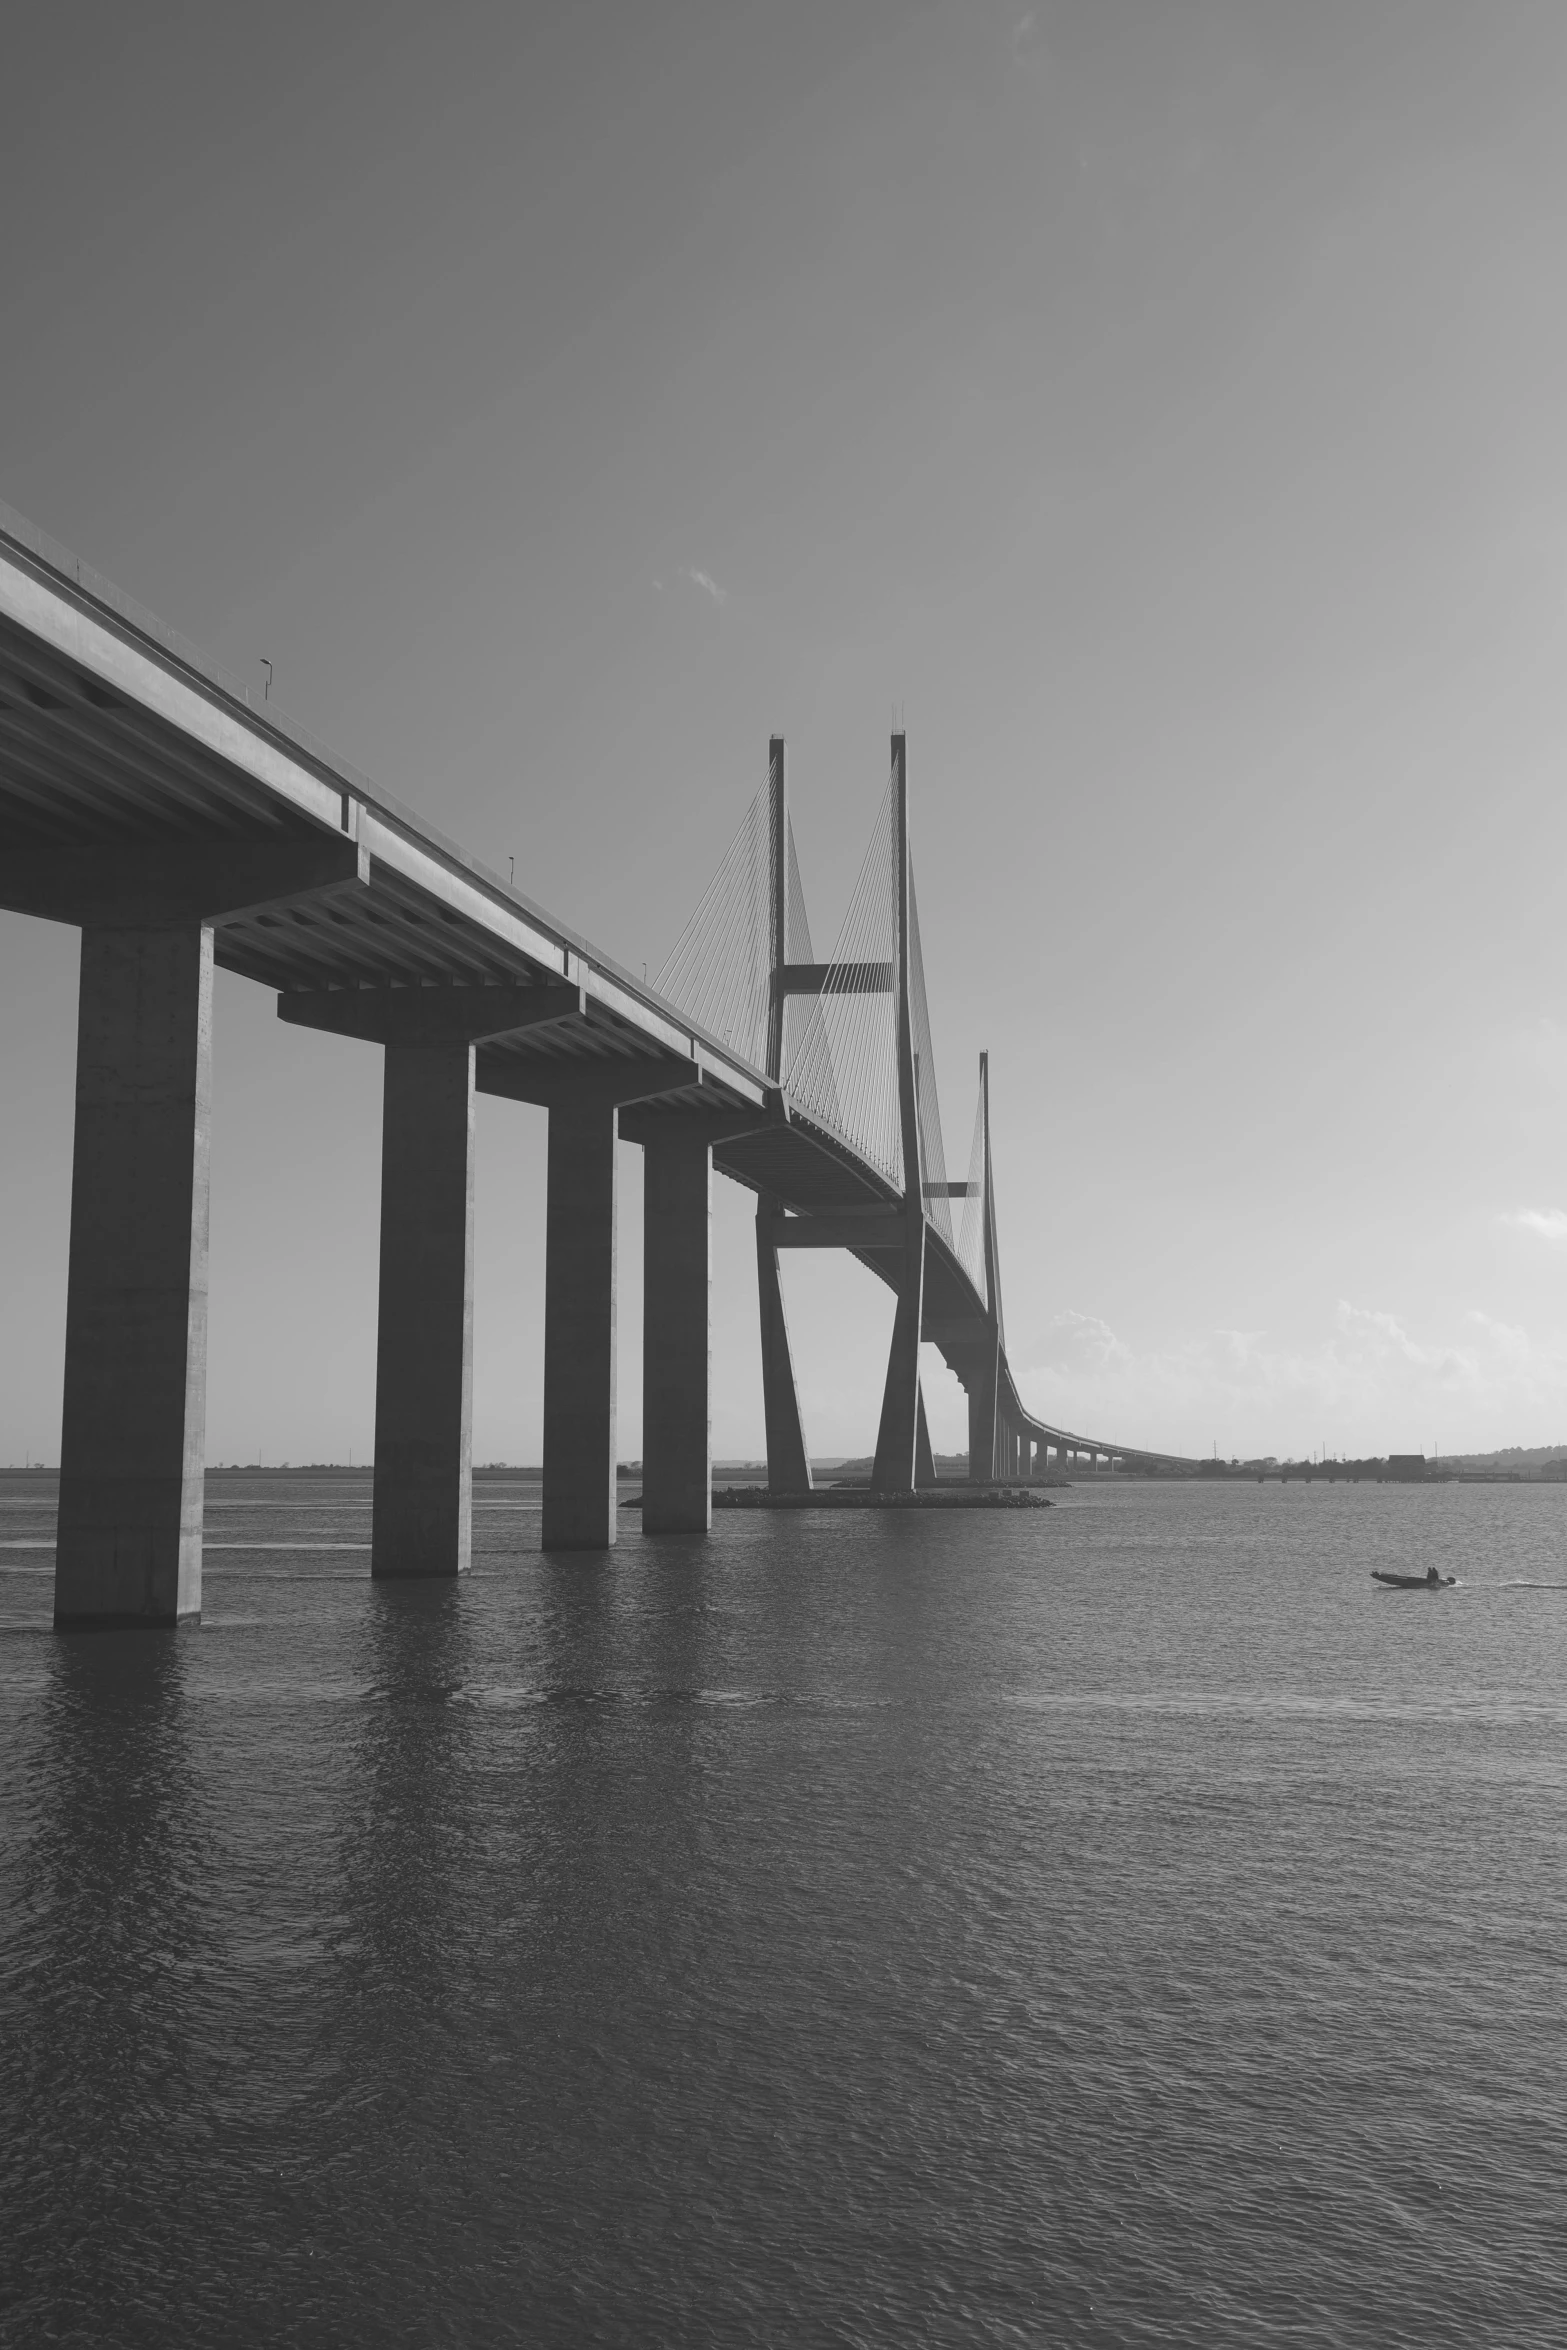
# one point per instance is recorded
(1117, 1924)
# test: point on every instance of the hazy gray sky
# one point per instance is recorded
(1161, 405)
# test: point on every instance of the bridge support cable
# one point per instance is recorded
(719, 970)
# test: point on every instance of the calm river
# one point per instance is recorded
(1116, 1924)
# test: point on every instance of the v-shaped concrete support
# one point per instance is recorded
(788, 1463)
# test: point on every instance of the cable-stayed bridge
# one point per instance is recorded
(858, 1161)
(148, 801)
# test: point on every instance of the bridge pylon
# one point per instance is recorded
(788, 1462)
(985, 1431)
(898, 1439)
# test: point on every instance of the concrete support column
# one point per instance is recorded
(982, 1432)
(579, 1328)
(422, 1515)
(924, 1458)
(134, 1423)
(897, 1436)
(677, 1425)
(788, 1463)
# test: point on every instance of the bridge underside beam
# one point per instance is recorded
(882, 1228)
(835, 979)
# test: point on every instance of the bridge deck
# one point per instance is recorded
(118, 737)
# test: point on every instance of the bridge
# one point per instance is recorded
(145, 800)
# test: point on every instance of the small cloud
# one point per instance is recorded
(706, 582)
(1026, 34)
(1544, 1223)
(658, 583)
(1081, 1343)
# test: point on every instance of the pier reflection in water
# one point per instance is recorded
(1114, 1925)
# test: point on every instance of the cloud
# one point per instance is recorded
(1545, 1223)
(1364, 1384)
(706, 582)
(1077, 1343)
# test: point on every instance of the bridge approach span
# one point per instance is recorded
(149, 801)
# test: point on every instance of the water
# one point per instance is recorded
(1118, 1924)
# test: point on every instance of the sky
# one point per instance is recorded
(1155, 408)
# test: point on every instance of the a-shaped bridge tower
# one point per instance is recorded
(857, 1159)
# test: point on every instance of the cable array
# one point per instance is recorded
(805, 1036)
(844, 1069)
(840, 1046)
(719, 971)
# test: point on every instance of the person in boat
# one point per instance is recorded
(1432, 1576)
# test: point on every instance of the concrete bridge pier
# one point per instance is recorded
(133, 1430)
(421, 1520)
(580, 1338)
(677, 1271)
(128, 1550)
(422, 1512)
(677, 1419)
(788, 1462)
(896, 1465)
(580, 1317)
(924, 1457)
(983, 1434)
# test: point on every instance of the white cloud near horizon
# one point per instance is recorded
(1368, 1385)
